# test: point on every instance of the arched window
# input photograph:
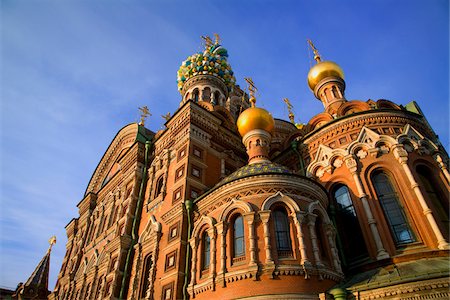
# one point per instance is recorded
(282, 234)
(206, 94)
(217, 98)
(159, 186)
(205, 247)
(349, 235)
(145, 279)
(195, 95)
(238, 237)
(439, 200)
(392, 210)
(321, 239)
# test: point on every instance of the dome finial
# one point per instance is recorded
(289, 107)
(252, 90)
(208, 41)
(317, 56)
(217, 39)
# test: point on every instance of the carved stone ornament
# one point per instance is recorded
(361, 154)
(337, 163)
(350, 163)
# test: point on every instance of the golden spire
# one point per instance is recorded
(144, 114)
(289, 107)
(252, 90)
(208, 41)
(51, 241)
(317, 57)
(217, 38)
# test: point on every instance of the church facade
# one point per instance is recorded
(228, 203)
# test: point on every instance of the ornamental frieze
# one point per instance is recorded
(331, 136)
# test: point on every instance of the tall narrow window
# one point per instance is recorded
(206, 254)
(145, 281)
(159, 186)
(321, 242)
(195, 95)
(438, 199)
(282, 233)
(238, 237)
(392, 210)
(349, 235)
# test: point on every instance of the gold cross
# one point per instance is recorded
(217, 37)
(144, 114)
(208, 41)
(317, 57)
(252, 90)
(289, 107)
(166, 116)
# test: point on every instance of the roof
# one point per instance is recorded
(256, 169)
(398, 273)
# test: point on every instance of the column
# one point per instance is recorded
(222, 232)
(331, 235)
(352, 167)
(402, 157)
(212, 251)
(312, 233)
(298, 221)
(265, 215)
(193, 243)
(250, 218)
(442, 164)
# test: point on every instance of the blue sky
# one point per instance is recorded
(74, 72)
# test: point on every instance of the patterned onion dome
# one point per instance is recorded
(255, 118)
(261, 168)
(213, 61)
(322, 70)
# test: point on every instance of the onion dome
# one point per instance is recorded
(321, 70)
(255, 118)
(212, 61)
(262, 168)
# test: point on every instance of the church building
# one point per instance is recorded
(229, 203)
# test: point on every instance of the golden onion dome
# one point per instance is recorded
(323, 70)
(255, 118)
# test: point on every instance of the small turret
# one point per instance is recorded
(256, 126)
(326, 80)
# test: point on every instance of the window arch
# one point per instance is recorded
(349, 235)
(238, 237)
(282, 232)
(392, 209)
(206, 255)
(439, 200)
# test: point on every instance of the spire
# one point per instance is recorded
(36, 287)
(289, 107)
